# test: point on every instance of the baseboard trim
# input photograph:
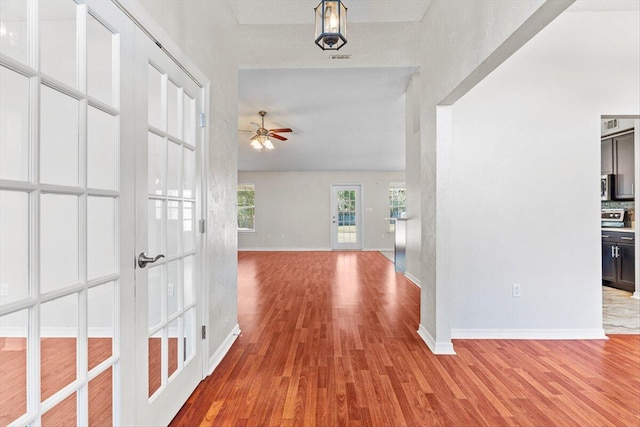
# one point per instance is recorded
(223, 349)
(529, 334)
(413, 279)
(435, 347)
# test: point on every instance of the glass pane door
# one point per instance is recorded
(168, 206)
(60, 199)
(345, 217)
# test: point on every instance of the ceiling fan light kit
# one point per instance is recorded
(331, 24)
(262, 138)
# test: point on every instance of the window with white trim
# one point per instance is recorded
(246, 207)
(397, 202)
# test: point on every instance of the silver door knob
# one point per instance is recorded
(143, 259)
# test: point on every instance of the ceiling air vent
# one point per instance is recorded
(609, 124)
(340, 57)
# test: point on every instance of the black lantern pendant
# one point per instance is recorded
(331, 24)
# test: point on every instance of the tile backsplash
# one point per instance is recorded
(629, 206)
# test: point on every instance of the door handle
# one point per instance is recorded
(617, 251)
(143, 259)
(613, 251)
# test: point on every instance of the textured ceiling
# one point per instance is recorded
(290, 12)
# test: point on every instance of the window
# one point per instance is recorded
(397, 202)
(246, 207)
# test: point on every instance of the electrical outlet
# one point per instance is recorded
(515, 290)
(4, 289)
(383, 235)
(170, 286)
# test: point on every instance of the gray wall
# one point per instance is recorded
(293, 209)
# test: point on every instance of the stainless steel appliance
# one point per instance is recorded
(606, 187)
(615, 218)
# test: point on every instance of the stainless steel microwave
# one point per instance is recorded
(606, 187)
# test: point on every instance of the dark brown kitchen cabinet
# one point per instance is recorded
(618, 260)
(616, 157)
(624, 166)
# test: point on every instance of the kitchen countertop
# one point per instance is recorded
(622, 230)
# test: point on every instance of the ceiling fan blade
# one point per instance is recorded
(281, 130)
(245, 130)
(281, 138)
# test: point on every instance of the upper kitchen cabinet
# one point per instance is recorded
(617, 158)
(624, 167)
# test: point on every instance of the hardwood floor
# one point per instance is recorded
(329, 339)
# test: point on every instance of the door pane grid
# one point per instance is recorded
(172, 201)
(45, 194)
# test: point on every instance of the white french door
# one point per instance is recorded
(62, 276)
(99, 160)
(346, 218)
(168, 244)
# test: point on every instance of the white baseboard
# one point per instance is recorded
(435, 347)
(413, 279)
(223, 349)
(529, 334)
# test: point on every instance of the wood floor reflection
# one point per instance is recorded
(58, 369)
(329, 339)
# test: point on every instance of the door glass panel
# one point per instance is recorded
(14, 125)
(173, 172)
(173, 287)
(154, 95)
(189, 189)
(155, 362)
(189, 114)
(346, 217)
(101, 399)
(188, 232)
(156, 225)
(173, 227)
(58, 41)
(63, 414)
(14, 246)
(156, 156)
(58, 337)
(174, 340)
(58, 138)
(189, 333)
(58, 241)
(155, 295)
(101, 237)
(14, 40)
(188, 267)
(100, 313)
(99, 61)
(172, 110)
(101, 150)
(13, 365)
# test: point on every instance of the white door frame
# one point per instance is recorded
(333, 216)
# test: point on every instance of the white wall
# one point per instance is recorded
(293, 209)
(412, 170)
(525, 163)
(461, 43)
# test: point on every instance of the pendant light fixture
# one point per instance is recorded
(331, 24)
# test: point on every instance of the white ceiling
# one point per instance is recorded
(345, 114)
(342, 119)
(289, 12)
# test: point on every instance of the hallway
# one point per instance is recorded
(329, 338)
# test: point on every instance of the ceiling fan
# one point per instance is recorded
(263, 136)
